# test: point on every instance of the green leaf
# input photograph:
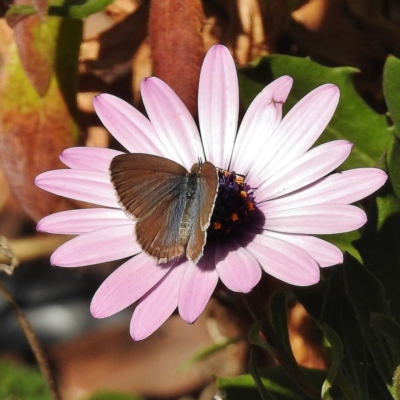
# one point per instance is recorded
(367, 295)
(273, 379)
(35, 129)
(88, 8)
(22, 383)
(353, 119)
(105, 395)
(390, 330)
(255, 373)
(391, 90)
(278, 311)
(82, 10)
(336, 356)
(396, 384)
(379, 245)
(393, 161)
(345, 242)
(339, 315)
(255, 338)
(208, 351)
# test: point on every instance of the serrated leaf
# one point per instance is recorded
(345, 242)
(391, 90)
(353, 119)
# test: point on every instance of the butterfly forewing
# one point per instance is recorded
(144, 181)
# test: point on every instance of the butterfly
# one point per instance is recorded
(172, 206)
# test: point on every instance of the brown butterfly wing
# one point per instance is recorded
(149, 188)
(206, 194)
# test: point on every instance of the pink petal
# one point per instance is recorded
(324, 253)
(89, 158)
(318, 219)
(90, 186)
(197, 286)
(283, 260)
(95, 247)
(129, 126)
(127, 284)
(157, 305)
(306, 169)
(340, 188)
(172, 121)
(297, 132)
(262, 117)
(218, 105)
(76, 222)
(238, 269)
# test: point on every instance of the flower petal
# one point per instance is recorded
(90, 186)
(218, 105)
(129, 126)
(172, 121)
(127, 284)
(341, 188)
(95, 247)
(262, 117)
(318, 219)
(283, 260)
(76, 222)
(297, 132)
(89, 158)
(324, 253)
(238, 269)
(306, 169)
(157, 305)
(197, 286)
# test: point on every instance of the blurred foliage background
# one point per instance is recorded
(55, 56)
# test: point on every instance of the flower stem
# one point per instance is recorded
(270, 335)
(34, 343)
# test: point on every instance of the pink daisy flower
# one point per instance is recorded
(286, 196)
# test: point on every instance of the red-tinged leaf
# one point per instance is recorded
(41, 7)
(36, 40)
(33, 132)
(177, 46)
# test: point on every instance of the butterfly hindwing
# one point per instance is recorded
(206, 194)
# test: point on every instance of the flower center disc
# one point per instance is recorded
(233, 204)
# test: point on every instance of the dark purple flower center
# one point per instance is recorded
(233, 205)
